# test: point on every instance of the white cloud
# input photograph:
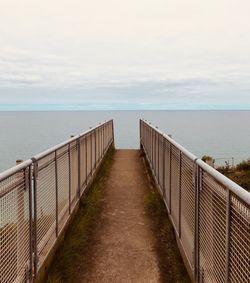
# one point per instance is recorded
(124, 47)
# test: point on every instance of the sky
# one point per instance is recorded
(133, 54)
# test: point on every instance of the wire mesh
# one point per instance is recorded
(58, 175)
(46, 206)
(212, 229)
(188, 208)
(63, 185)
(15, 227)
(89, 155)
(175, 185)
(83, 163)
(211, 220)
(239, 270)
(73, 173)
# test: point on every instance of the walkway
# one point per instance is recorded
(124, 241)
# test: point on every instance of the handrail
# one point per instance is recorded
(209, 212)
(15, 169)
(232, 186)
(60, 145)
(39, 196)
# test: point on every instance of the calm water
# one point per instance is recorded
(217, 133)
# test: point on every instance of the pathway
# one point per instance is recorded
(124, 244)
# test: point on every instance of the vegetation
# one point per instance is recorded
(207, 158)
(77, 243)
(170, 261)
(240, 173)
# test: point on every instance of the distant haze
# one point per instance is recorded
(133, 54)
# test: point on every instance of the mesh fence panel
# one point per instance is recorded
(167, 173)
(188, 208)
(83, 163)
(175, 153)
(27, 235)
(93, 150)
(211, 221)
(14, 228)
(239, 270)
(73, 172)
(46, 205)
(63, 185)
(212, 230)
(89, 155)
(160, 162)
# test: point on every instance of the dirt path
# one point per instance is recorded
(124, 245)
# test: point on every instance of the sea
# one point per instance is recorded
(224, 135)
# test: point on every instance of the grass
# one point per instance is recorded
(240, 173)
(170, 262)
(72, 255)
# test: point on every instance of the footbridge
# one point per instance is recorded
(40, 197)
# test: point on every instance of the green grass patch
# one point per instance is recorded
(170, 262)
(240, 173)
(72, 255)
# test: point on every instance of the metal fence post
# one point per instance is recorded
(69, 156)
(163, 167)
(155, 155)
(228, 231)
(140, 127)
(91, 160)
(152, 148)
(35, 175)
(86, 167)
(198, 180)
(56, 183)
(113, 133)
(79, 167)
(98, 145)
(30, 224)
(180, 167)
(95, 149)
(158, 161)
(170, 176)
(20, 237)
(102, 140)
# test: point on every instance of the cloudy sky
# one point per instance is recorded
(116, 54)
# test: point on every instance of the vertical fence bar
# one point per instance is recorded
(91, 160)
(69, 156)
(30, 225)
(180, 167)
(228, 226)
(35, 175)
(158, 161)
(198, 180)
(79, 167)
(56, 183)
(102, 140)
(140, 127)
(113, 133)
(95, 149)
(163, 167)
(86, 164)
(170, 176)
(155, 155)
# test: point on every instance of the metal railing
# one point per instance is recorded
(209, 212)
(38, 197)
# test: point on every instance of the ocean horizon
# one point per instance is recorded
(223, 134)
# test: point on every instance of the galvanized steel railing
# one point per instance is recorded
(209, 212)
(38, 197)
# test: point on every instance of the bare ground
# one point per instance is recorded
(123, 245)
